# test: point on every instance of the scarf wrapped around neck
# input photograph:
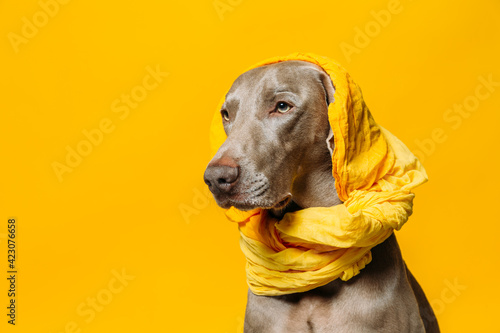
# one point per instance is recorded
(374, 174)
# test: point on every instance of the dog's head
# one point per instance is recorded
(278, 135)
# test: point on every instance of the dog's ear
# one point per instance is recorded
(327, 83)
(329, 95)
(329, 88)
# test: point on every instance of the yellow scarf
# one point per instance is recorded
(374, 173)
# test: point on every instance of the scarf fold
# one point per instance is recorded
(374, 174)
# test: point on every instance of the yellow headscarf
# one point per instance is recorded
(374, 173)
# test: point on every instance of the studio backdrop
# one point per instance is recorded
(106, 224)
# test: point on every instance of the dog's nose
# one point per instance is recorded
(221, 175)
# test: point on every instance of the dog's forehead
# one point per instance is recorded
(279, 76)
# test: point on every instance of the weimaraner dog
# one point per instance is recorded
(290, 159)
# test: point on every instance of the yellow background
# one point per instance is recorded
(121, 207)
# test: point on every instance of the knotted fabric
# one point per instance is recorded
(374, 174)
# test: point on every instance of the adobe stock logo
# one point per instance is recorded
(200, 201)
(449, 294)
(122, 107)
(89, 309)
(31, 27)
(455, 117)
(373, 28)
(222, 7)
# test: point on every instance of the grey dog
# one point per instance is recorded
(289, 158)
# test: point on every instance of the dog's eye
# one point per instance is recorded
(283, 107)
(225, 115)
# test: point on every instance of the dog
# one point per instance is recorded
(278, 134)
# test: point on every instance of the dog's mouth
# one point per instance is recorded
(252, 204)
(283, 203)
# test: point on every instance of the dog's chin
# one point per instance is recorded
(250, 204)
